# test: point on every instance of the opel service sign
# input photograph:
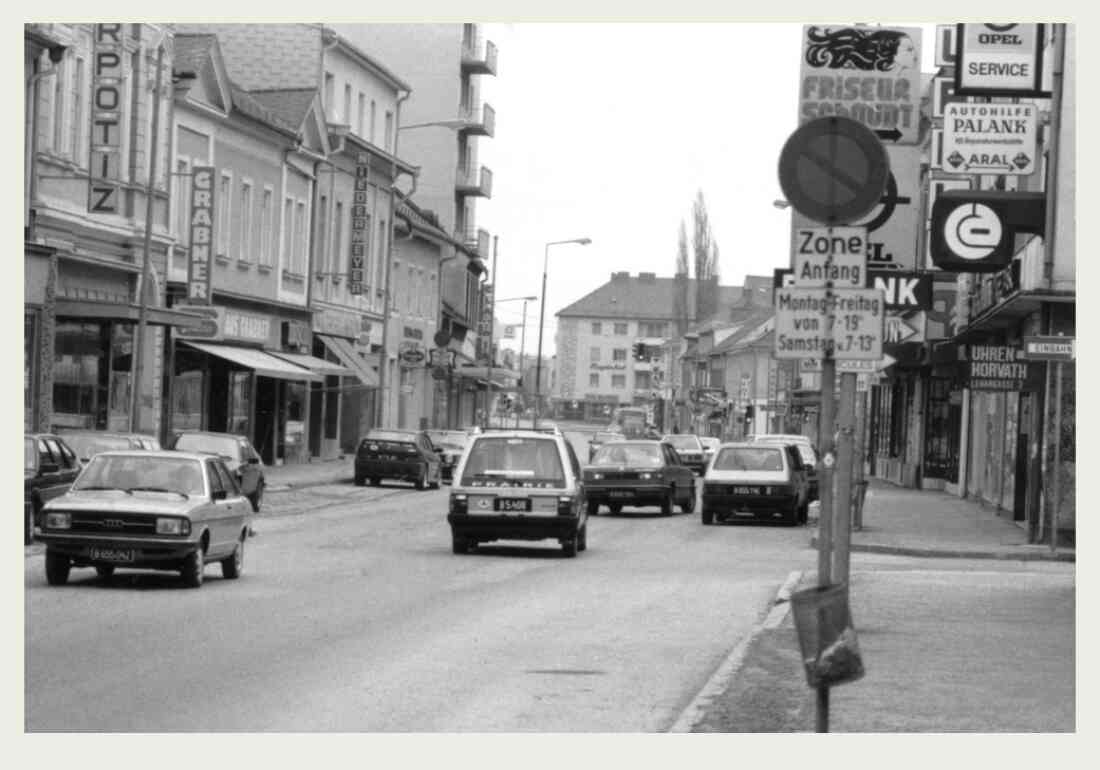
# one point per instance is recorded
(869, 74)
(1000, 60)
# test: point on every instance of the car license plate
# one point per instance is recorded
(512, 504)
(113, 554)
(622, 493)
(746, 490)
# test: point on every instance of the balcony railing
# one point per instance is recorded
(478, 122)
(474, 181)
(479, 57)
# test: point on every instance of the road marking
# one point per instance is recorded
(725, 672)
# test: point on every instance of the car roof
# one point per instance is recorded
(208, 433)
(791, 437)
(172, 454)
(748, 444)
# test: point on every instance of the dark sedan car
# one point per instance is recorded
(405, 455)
(49, 469)
(638, 474)
(242, 460)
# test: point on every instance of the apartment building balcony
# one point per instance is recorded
(479, 57)
(479, 122)
(477, 239)
(474, 181)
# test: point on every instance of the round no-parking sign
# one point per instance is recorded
(833, 170)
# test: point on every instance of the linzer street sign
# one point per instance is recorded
(1049, 348)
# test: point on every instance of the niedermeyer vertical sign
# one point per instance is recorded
(868, 74)
(202, 234)
(360, 227)
(108, 93)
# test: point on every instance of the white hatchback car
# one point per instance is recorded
(756, 479)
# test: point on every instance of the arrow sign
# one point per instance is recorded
(897, 330)
(207, 323)
(892, 134)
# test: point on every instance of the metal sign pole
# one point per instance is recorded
(842, 505)
(1056, 481)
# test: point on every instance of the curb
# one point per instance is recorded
(948, 553)
(720, 679)
(288, 487)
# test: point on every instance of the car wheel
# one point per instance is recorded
(192, 569)
(794, 515)
(708, 517)
(689, 505)
(615, 508)
(422, 481)
(593, 508)
(666, 504)
(233, 566)
(459, 543)
(582, 538)
(105, 571)
(57, 568)
(569, 545)
(374, 482)
(257, 498)
(360, 481)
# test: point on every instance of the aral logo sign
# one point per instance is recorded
(1000, 60)
(868, 74)
(989, 138)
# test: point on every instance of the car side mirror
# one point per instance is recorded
(44, 468)
(219, 494)
(253, 460)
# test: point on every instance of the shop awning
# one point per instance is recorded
(264, 364)
(348, 356)
(316, 365)
(161, 316)
(502, 378)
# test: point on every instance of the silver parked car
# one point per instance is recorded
(152, 510)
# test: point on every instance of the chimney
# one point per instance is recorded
(621, 275)
(647, 277)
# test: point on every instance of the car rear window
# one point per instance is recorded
(378, 447)
(684, 443)
(621, 453)
(199, 442)
(513, 461)
(89, 445)
(749, 459)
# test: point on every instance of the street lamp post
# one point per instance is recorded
(542, 317)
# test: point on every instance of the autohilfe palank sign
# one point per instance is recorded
(868, 74)
(989, 138)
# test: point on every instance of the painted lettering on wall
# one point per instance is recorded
(202, 232)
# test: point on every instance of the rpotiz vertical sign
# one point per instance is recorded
(108, 89)
(202, 234)
(360, 229)
(868, 74)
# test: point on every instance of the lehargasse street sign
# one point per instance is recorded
(1050, 348)
(803, 328)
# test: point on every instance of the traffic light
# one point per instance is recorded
(639, 351)
(748, 412)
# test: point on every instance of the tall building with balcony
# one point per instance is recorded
(438, 129)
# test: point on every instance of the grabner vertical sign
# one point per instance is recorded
(202, 234)
(360, 229)
(989, 138)
(868, 74)
(108, 92)
(1000, 60)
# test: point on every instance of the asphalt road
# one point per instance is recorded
(354, 615)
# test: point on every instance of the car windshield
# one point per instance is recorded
(30, 454)
(89, 444)
(494, 459)
(749, 459)
(684, 442)
(201, 442)
(135, 471)
(646, 455)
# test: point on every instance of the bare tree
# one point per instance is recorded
(681, 277)
(706, 259)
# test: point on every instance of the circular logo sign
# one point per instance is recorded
(829, 460)
(412, 356)
(441, 339)
(833, 170)
(972, 231)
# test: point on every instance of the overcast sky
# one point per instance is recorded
(607, 131)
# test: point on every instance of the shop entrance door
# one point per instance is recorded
(1023, 444)
(267, 409)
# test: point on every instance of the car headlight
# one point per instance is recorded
(645, 476)
(597, 476)
(59, 521)
(173, 526)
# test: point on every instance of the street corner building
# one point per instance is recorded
(216, 239)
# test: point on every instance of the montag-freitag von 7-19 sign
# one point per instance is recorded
(812, 322)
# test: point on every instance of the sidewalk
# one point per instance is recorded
(923, 522)
(281, 478)
(944, 648)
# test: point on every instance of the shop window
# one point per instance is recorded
(240, 402)
(187, 390)
(81, 375)
(618, 354)
(621, 330)
(597, 327)
(594, 380)
(30, 370)
(594, 355)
